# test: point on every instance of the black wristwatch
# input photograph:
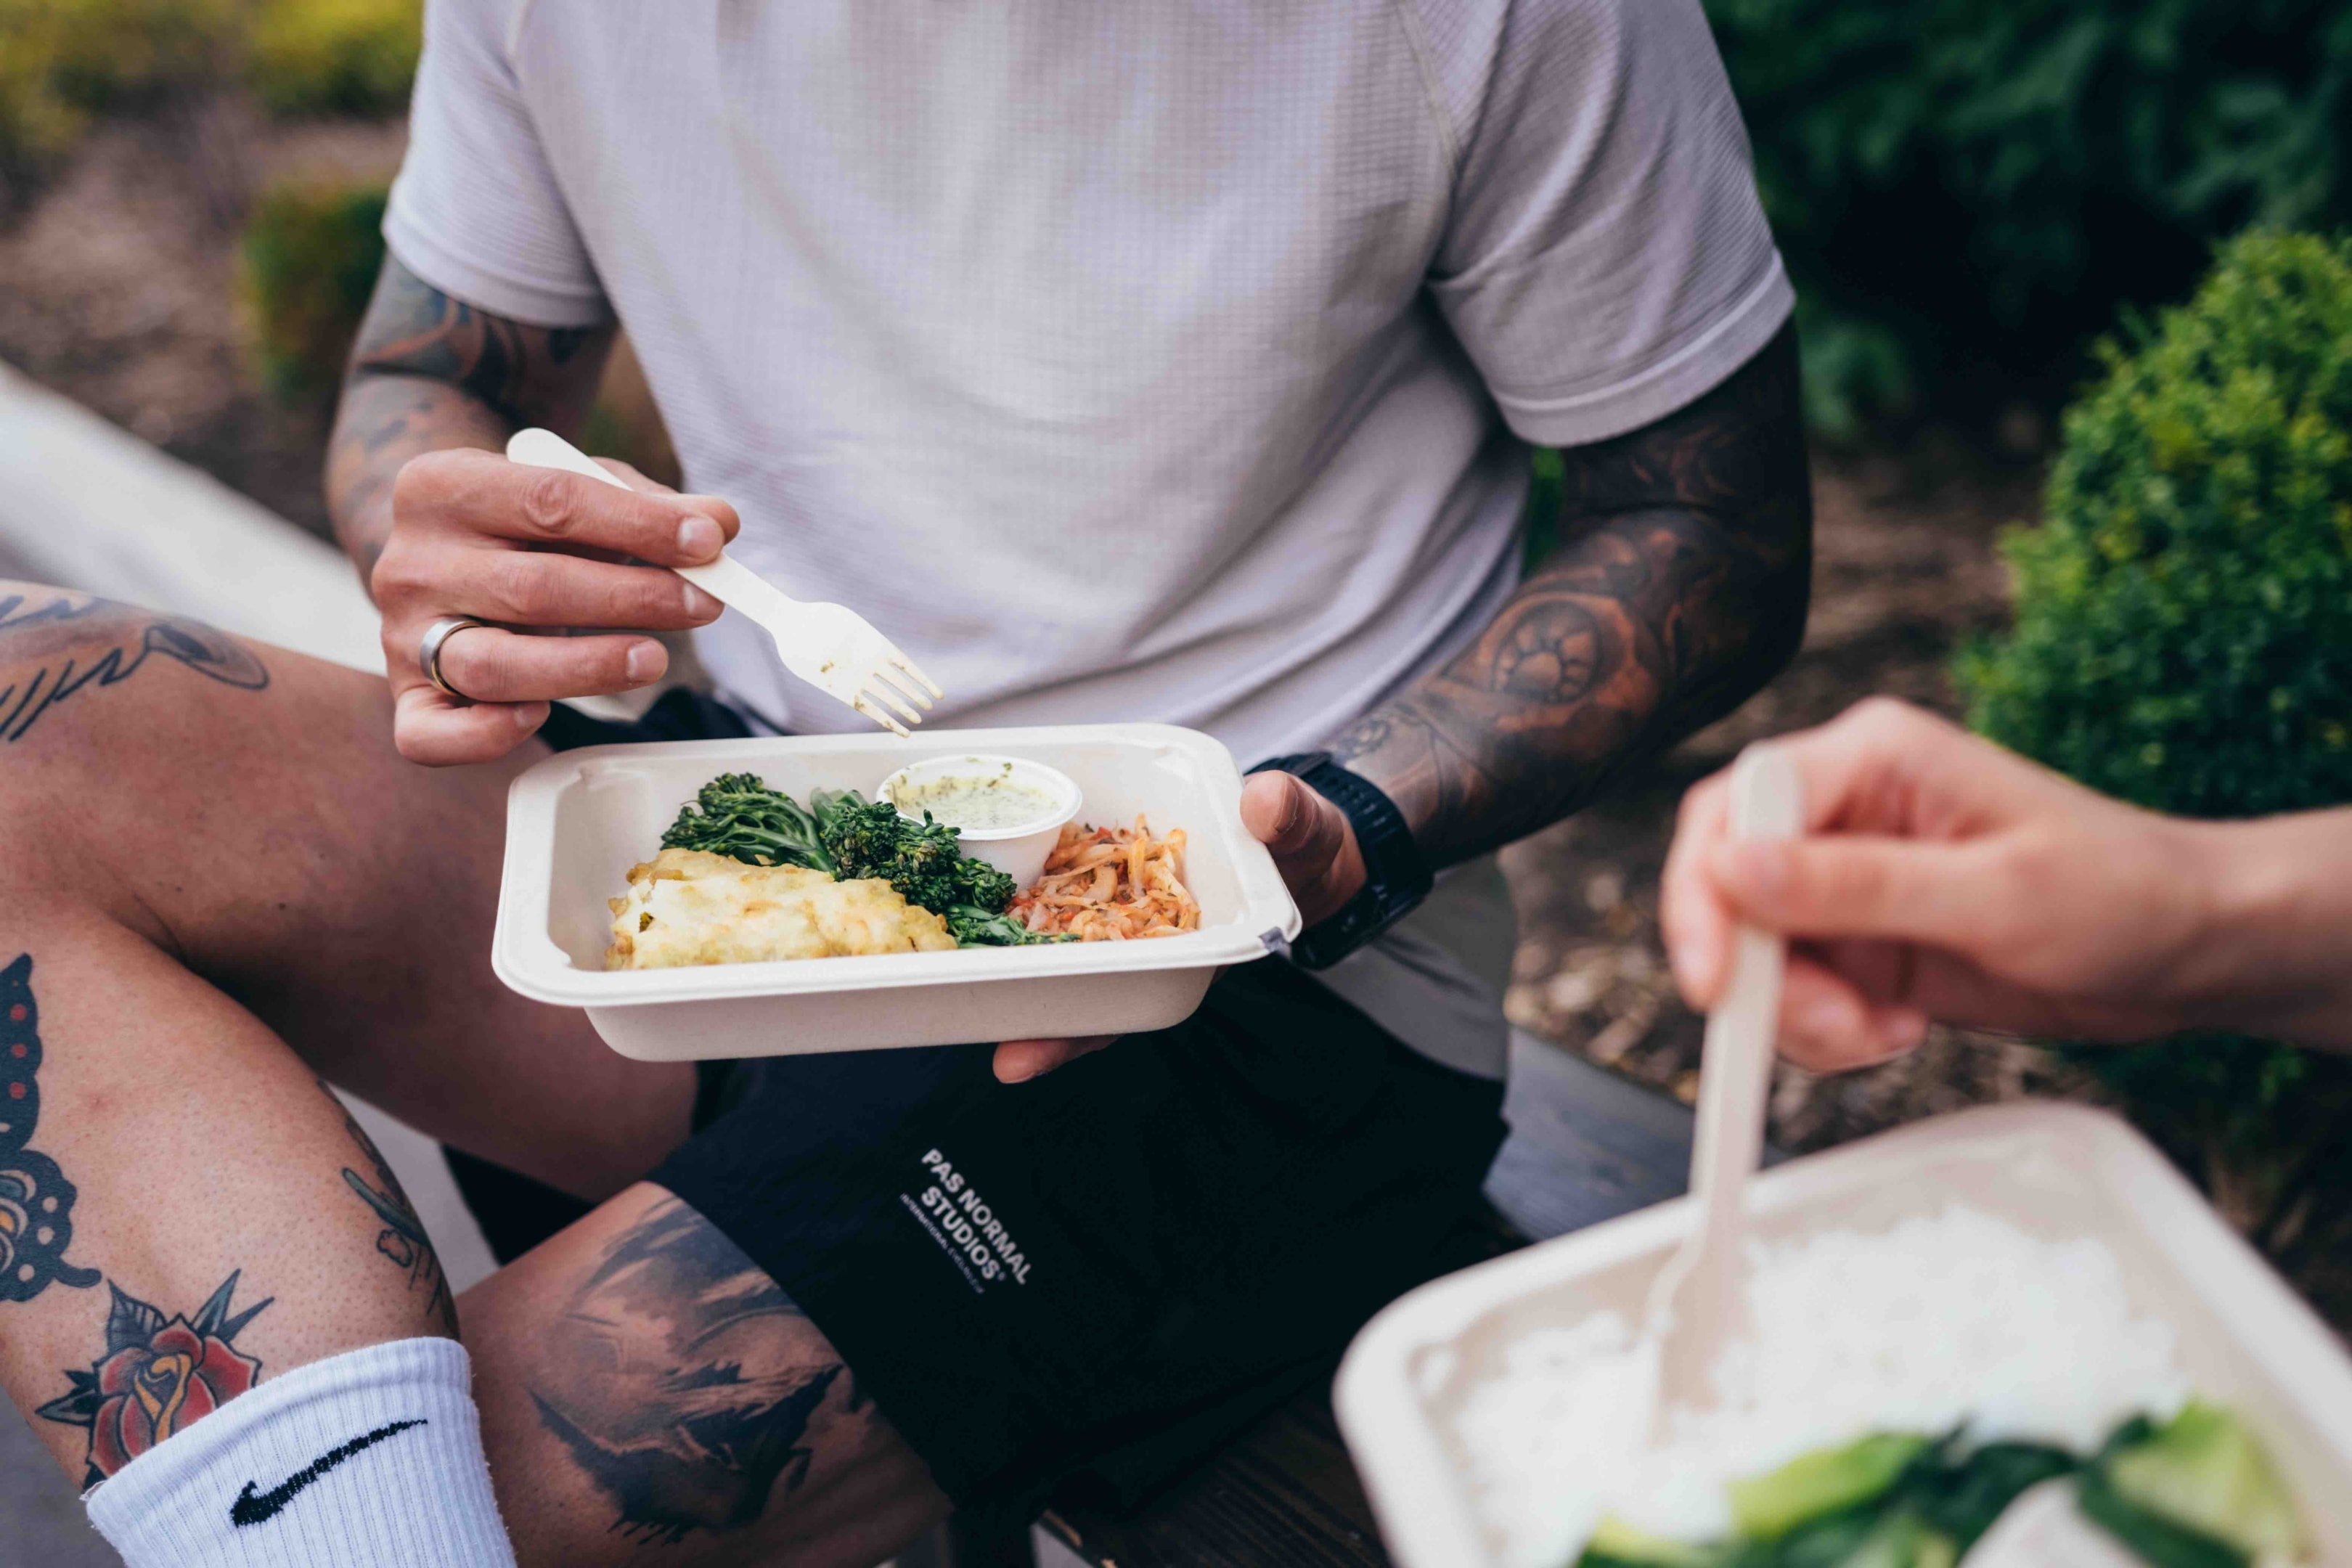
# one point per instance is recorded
(1396, 878)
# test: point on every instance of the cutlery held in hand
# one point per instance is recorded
(1697, 1305)
(831, 646)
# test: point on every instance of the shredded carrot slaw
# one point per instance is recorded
(1111, 884)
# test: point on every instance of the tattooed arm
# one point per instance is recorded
(1678, 590)
(440, 525)
(429, 373)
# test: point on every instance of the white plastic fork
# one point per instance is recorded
(831, 646)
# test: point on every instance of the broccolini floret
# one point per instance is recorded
(841, 832)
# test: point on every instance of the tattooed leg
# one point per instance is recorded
(36, 1202)
(643, 1382)
(224, 885)
(62, 643)
(242, 809)
(403, 1239)
(186, 1159)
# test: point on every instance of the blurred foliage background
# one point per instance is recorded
(1967, 190)
(63, 61)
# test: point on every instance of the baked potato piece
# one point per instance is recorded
(689, 906)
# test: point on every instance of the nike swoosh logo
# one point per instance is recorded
(255, 1507)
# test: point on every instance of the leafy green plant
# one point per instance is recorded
(341, 57)
(2183, 631)
(311, 254)
(2198, 1490)
(1964, 191)
(63, 60)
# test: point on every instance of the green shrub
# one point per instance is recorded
(1965, 190)
(2183, 632)
(62, 59)
(311, 254)
(346, 56)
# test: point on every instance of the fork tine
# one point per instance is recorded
(898, 687)
(881, 718)
(891, 699)
(903, 662)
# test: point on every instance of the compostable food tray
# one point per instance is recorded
(2055, 1170)
(577, 822)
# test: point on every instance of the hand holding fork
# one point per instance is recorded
(482, 549)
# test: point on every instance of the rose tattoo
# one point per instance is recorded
(157, 1375)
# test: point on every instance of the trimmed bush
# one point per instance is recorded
(341, 57)
(1965, 190)
(311, 254)
(2183, 633)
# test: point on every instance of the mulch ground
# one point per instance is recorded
(119, 285)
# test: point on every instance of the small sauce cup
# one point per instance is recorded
(1018, 848)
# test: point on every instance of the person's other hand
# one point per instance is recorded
(1313, 844)
(521, 547)
(1941, 877)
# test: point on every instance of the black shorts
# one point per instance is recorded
(1075, 1287)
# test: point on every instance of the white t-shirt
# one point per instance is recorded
(1118, 360)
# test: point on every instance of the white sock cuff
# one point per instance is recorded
(371, 1457)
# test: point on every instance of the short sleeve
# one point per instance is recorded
(475, 211)
(1606, 259)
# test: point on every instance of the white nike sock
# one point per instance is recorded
(368, 1459)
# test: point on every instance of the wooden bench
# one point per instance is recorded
(1585, 1146)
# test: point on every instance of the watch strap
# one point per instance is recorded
(1396, 878)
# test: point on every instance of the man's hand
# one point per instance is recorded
(473, 534)
(1313, 843)
(1942, 877)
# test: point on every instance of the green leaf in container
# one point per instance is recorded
(2204, 1470)
(1826, 1480)
(1616, 1544)
(2152, 1538)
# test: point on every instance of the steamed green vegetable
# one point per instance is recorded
(1827, 1481)
(2195, 1492)
(922, 861)
(2198, 1489)
(842, 833)
(738, 816)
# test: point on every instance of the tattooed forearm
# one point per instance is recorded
(403, 1238)
(1679, 591)
(429, 371)
(684, 1380)
(154, 1375)
(66, 643)
(36, 1200)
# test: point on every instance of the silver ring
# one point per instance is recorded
(428, 651)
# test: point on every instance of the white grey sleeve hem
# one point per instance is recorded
(1682, 378)
(531, 303)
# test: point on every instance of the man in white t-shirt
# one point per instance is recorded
(1174, 362)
